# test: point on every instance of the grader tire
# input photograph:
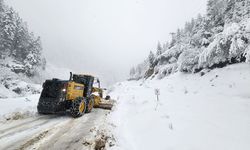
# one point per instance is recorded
(90, 105)
(78, 107)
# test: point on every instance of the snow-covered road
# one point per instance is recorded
(49, 131)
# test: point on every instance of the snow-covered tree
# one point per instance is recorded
(159, 50)
(173, 39)
(188, 60)
(18, 43)
(215, 12)
(216, 39)
(132, 72)
(165, 47)
(7, 29)
(247, 54)
(151, 59)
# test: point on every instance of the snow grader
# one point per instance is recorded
(76, 95)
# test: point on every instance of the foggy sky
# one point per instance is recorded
(104, 37)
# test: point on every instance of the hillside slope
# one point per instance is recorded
(214, 40)
(21, 55)
(196, 111)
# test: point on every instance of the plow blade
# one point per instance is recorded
(104, 104)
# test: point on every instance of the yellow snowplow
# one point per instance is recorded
(73, 95)
(76, 95)
(99, 101)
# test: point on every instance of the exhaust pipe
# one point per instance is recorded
(70, 78)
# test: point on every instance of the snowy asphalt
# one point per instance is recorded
(48, 131)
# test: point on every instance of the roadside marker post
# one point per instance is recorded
(157, 93)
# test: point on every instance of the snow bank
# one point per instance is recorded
(17, 108)
(15, 85)
(205, 112)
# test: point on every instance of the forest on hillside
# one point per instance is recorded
(21, 60)
(20, 49)
(216, 39)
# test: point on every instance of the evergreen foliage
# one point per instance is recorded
(18, 44)
(219, 38)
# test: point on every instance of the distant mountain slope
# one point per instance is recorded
(219, 38)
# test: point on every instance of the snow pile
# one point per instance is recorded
(16, 84)
(18, 108)
(204, 111)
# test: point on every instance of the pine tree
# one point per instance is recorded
(22, 40)
(159, 49)
(178, 36)
(151, 59)
(2, 49)
(173, 39)
(229, 12)
(18, 43)
(7, 30)
(165, 47)
(214, 40)
(132, 71)
(1, 6)
(216, 12)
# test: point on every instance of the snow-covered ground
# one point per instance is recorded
(55, 132)
(13, 108)
(21, 127)
(209, 112)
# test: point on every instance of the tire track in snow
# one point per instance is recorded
(16, 137)
(49, 132)
(24, 126)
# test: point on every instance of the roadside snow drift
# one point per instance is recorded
(208, 111)
(18, 108)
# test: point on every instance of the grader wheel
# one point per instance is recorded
(90, 105)
(78, 107)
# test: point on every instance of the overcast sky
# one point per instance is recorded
(104, 37)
